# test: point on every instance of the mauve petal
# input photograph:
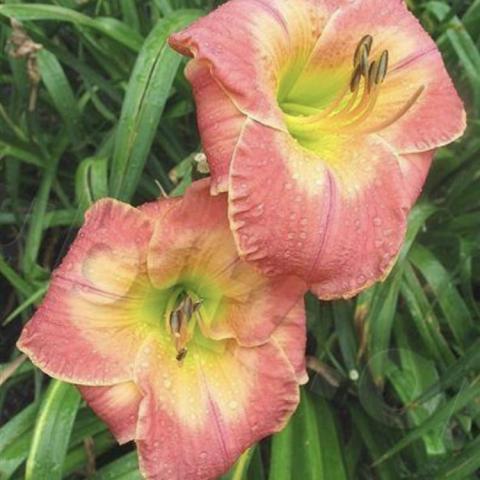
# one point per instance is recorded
(247, 44)
(343, 231)
(192, 239)
(196, 420)
(336, 219)
(415, 167)
(218, 119)
(291, 336)
(86, 331)
(436, 118)
(117, 406)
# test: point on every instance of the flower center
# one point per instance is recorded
(182, 318)
(352, 105)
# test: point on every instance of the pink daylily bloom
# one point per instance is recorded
(173, 340)
(320, 118)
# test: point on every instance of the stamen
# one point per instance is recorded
(356, 77)
(181, 354)
(382, 68)
(372, 101)
(353, 113)
(372, 75)
(365, 44)
(400, 113)
(354, 103)
(364, 63)
(176, 322)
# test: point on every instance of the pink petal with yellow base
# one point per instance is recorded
(211, 409)
(336, 222)
(218, 119)
(117, 406)
(415, 167)
(239, 302)
(247, 42)
(415, 71)
(291, 337)
(83, 333)
(343, 104)
(222, 79)
(172, 339)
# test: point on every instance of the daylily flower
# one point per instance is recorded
(173, 340)
(320, 118)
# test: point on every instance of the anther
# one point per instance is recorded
(365, 44)
(382, 68)
(176, 322)
(372, 75)
(181, 354)
(364, 63)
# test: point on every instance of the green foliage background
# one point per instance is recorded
(395, 384)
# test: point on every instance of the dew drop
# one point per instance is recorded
(167, 383)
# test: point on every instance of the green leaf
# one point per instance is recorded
(374, 441)
(461, 465)
(61, 93)
(77, 457)
(240, 469)
(20, 151)
(471, 19)
(424, 318)
(380, 320)
(148, 90)
(15, 279)
(308, 447)
(109, 27)
(454, 308)
(52, 432)
(91, 182)
(125, 468)
(35, 230)
(15, 437)
(24, 305)
(441, 417)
